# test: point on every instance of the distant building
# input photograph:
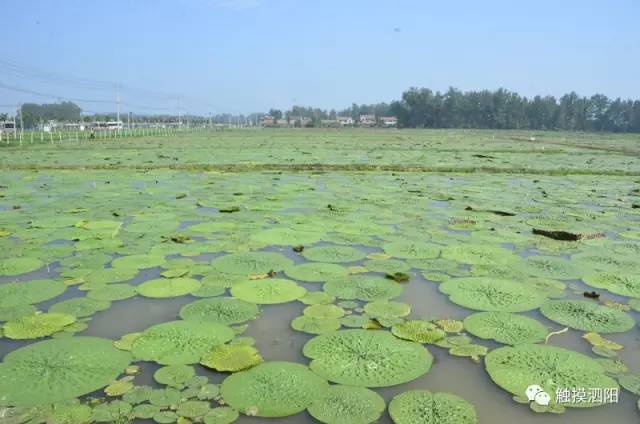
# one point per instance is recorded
(330, 123)
(345, 121)
(367, 120)
(388, 121)
(7, 127)
(267, 121)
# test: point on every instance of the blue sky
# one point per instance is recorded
(250, 55)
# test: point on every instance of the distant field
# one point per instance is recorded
(242, 271)
(293, 149)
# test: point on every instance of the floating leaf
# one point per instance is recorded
(37, 325)
(470, 350)
(347, 405)
(362, 287)
(317, 298)
(80, 307)
(412, 250)
(112, 292)
(231, 357)
(174, 375)
(193, 408)
(366, 358)
(587, 316)
(17, 266)
(333, 254)
(25, 293)
(552, 368)
(168, 287)
(224, 310)
(251, 263)
(118, 387)
(222, 415)
(323, 311)
(273, 290)
(273, 389)
(597, 340)
(141, 261)
(59, 369)
(316, 272)
(552, 267)
(418, 331)
(386, 309)
(424, 407)
(179, 342)
(450, 325)
(487, 294)
(313, 325)
(479, 254)
(618, 283)
(505, 327)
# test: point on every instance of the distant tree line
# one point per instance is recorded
(418, 108)
(503, 109)
(34, 114)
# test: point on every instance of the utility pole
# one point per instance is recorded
(179, 114)
(15, 130)
(117, 102)
(21, 122)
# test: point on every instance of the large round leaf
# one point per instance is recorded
(347, 405)
(367, 358)
(54, 370)
(179, 342)
(505, 327)
(269, 291)
(273, 389)
(587, 316)
(424, 407)
(552, 368)
(489, 294)
(28, 292)
(225, 310)
(251, 263)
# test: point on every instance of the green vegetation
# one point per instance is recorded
(268, 273)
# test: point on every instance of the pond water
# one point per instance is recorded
(277, 341)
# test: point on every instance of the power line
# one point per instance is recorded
(53, 96)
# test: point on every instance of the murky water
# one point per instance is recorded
(277, 341)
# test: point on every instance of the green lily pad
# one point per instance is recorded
(251, 263)
(221, 415)
(231, 357)
(412, 250)
(587, 316)
(424, 407)
(273, 389)
(174, 375)
(317, 298)
(487, 294)
(111, 412)
(179, 342)
(12, 312)
(316, 272)
(552, 368)
(505, 327)
(552, 267)
(224, 310)
(479, 254)
(17, 266)
(313, 325)
(193, 408)
(168, 287)
(28, 292)
(418, 331)
(268, 291)
(323, 311)
(363, 287)
(366, 358)
(141, 261)
(618, 283)
(333, 254)
(347, 405)
(59, 369)
(112, 292)
(37, 325)
(80, 307)
(386, 309)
